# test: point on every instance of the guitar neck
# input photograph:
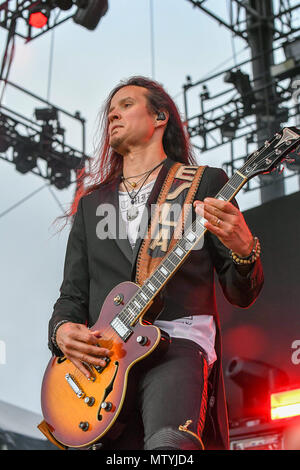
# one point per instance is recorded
(174, 259)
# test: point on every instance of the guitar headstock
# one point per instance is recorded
(266, 158)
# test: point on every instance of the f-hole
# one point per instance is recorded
(108, 390)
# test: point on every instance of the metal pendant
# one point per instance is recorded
(132, 213)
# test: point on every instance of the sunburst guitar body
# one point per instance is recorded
(78, 411)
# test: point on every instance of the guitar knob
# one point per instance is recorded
(84, 425)
(106, 405)
(118, 299)
(142, 340)
(89, 401)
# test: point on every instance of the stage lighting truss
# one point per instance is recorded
(224, 119)
(231, 113)
(238, 9)
(30, 19)
(15, 14)
(215, 116)
(39, 148)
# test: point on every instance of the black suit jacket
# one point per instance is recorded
(93, 266)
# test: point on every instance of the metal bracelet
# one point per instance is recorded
(53, 337)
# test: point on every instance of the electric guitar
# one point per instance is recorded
(80, 413)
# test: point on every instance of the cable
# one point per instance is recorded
(230, 13)
(57, 200)
(10, 40)
(50, 65)
(14, 206)
(152, 39)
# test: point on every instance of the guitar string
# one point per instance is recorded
(227, 193)
(130, 305)
(128, 317)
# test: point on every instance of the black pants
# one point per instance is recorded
(171, 394)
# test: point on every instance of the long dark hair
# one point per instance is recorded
(107, 163)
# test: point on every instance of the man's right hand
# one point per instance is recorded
(79, 344)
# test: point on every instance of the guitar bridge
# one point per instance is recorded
(74, 386)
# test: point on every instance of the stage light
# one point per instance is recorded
(257, 381)
(4, 141)
(39, 16)
(284, 69)
(25, 159)
(46, 114)
(285, 404)
(60, 175)
(291, 66)
(292, 50)
(229, 126)
(90, 12)
(241, 81)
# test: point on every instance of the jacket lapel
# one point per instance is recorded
(111, 196)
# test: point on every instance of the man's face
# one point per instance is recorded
(131, 125)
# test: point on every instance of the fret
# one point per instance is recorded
(137, 304)
(192, 236)
(151, 286)
(147, 291)
(178, 251)
(169, 264)
(164, 271)
(127, 314)
(129, 310)
(230, 187)
(144, 296)
(159, 278)
(173, 258)
(154, 282)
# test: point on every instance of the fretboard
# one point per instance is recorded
(170, 263)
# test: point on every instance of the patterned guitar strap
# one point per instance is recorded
(171, 211)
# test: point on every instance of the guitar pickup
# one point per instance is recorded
(100, 369)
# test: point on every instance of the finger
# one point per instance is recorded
(84, 357)
(96, 351)
(81, 367)
(96, 333)
(210, 214)
(224, 206)
(216, 229)
(85, 335)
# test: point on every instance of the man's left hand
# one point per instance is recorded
(225, 221)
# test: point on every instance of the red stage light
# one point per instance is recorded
(285, 404)
(37, 19)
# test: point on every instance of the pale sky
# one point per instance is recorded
(86, 66)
